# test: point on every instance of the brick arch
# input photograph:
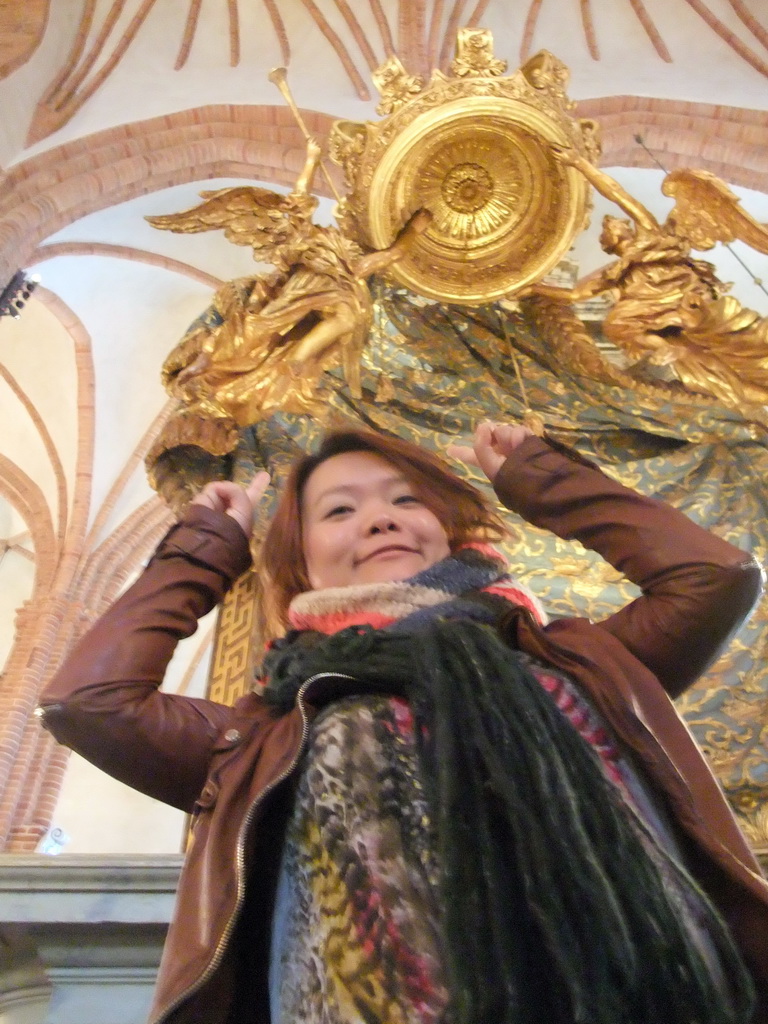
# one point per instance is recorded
(35, 774)
(15, 763)
(732, 142)
(29, 501)
(49, 191)
(44, 435)
(88, 578)
(77, 513)
(24, 749)
(123, 252)
(38, 771)
(21, 33)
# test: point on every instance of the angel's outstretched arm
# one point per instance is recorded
(579, 293)
(380, 259)
(608, 187)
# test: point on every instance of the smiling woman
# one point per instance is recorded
(362, 522)
(422, 486)
(434, 807)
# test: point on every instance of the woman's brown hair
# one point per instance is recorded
(465, 513)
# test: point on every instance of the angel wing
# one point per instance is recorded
(247, 215)
(707, 212)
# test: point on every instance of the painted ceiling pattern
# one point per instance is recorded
(422, 32)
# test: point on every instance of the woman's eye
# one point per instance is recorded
(407, 499)
(338, 510)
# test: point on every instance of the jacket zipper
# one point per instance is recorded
(240, 850)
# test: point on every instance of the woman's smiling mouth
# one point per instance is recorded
(389, 549)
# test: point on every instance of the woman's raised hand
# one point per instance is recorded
(234, 500)
(492, 444)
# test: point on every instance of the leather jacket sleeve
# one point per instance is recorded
(105, 701)
(697, 588)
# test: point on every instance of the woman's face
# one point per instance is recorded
(363, 522)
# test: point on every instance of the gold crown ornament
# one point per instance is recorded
(478, 151)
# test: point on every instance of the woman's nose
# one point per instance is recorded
(382, 522)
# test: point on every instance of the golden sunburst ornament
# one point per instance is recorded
(471, 189)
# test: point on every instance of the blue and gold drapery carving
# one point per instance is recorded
(431, 372)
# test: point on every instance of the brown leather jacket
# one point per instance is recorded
(230, 766)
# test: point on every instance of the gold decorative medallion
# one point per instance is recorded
(476, 151)
(474, 54)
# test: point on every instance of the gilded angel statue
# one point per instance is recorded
(670, 309)
(265, 341)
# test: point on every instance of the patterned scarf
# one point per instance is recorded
(437, 592)
(552, 908)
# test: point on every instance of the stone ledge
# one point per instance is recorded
(89, 872)
(82, 935)
(36, 889)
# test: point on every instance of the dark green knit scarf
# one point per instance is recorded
(553, 911)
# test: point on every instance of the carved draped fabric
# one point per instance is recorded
(430, 373)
